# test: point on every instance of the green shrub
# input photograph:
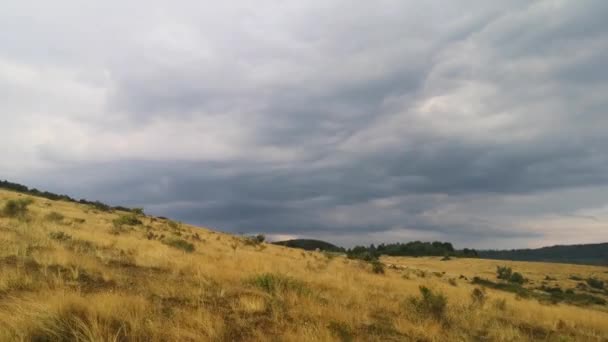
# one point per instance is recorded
(128, 220)
(180, 244)
(138, 211)
(275, 283)
(517, 278)
(16, 208)
(377, 267)
(54, 216)
(503, 272)
(430, 304)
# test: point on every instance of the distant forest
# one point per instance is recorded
(414, 248)
(57, 197)
(588, 254)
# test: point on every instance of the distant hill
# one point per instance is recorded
(310, 245)
(588, 254)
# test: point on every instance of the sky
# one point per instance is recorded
(483, 123)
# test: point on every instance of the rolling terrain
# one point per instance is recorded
(73, 272)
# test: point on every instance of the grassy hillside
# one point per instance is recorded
(71, 272)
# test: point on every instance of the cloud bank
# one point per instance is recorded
(479, 123)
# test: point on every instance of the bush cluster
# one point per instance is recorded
(506, 273)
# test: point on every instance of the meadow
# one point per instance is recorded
(72, 272)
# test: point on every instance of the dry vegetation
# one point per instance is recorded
(69, 272)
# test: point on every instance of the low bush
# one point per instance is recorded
(377, 267)
(517, 278)
(128, 220)
(595, 283)
(430, 304)
(54, 216)
(138, 211)
(16, 208)
(506, 273)
(180, 244)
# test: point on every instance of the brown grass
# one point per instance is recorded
(104, 282)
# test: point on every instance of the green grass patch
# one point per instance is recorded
(180, 244)
(275, 283)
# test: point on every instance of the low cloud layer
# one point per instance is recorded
(479, 123)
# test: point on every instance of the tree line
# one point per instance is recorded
(413, 248)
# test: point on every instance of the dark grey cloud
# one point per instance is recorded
(479, 123)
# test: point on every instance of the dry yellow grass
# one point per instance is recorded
(97, 282)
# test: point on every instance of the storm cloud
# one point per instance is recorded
(479, 123)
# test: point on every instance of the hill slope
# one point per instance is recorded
(69, 271)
